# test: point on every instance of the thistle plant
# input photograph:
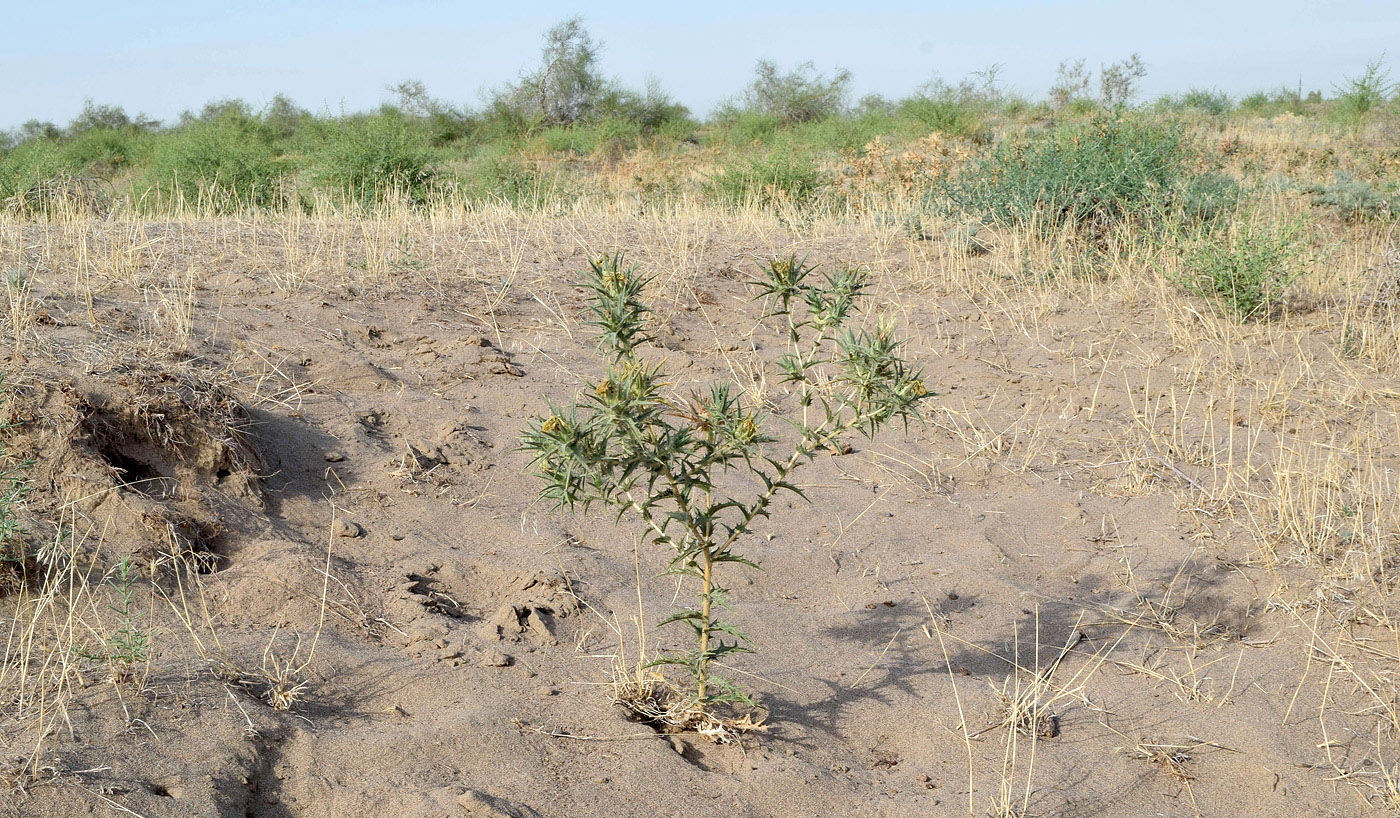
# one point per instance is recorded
(698, 468)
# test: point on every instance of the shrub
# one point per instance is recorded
(283, 118)
(226, 162)
(108, 117)
(779, 175)
(1358, 96)
(1118, 82)
(743, 127)
(368, 158)
(1071, 83)
(1207, 198)
(568, 87)
(1354, 199)
(76, 168)
(1207, 101)
(650, 110)
(27, 164)
(502, 177)
(699, 471)
(948, 115)
(32, 173)
(440, 122)
(846, 133)
(583, 139)
(36, 129)
(1280, 100)
(1245, 271)
(800, 95)
(101, 152)
(1094, 174)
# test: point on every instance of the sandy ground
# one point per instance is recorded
(459, 663)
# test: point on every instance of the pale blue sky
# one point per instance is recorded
(163, 57)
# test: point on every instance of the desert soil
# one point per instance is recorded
(457, 652)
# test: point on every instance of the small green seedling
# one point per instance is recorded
(126, 648)
(698, 469)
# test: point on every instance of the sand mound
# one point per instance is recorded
(152, 460)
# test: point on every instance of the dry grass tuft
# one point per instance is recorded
(648, 697)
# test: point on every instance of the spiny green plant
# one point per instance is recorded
(699, 468)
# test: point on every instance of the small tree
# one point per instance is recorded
(698, 470)
(37, 129)
(1360, 95)
(801, 95)
(1118, 82)
(283, 117)
(1071, 83)
(110, 117)
(566, 86)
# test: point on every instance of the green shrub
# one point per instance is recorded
(227, 162)
(283, 118)
(1245, 270)
(373, 157)
(567, 139)
(96, 153)
(584, 139)
(800, 95)
(1118, 82)
(108, 117)
(671, 133)
(746, 127)
(1272, 103)
(568, 87)
(101, 152)
(1358, 96)
(948, 115)
(837, 133)
(1207, 198)
(500, 176)
(1354, 199)
(30, 164)
(650, 110)
(1100, 173)
(779, 175)
(1206, 100)
(698, 469)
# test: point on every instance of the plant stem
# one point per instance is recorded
(702, 665)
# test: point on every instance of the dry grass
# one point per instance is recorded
(1281, 439)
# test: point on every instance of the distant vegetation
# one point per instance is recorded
(774, 144)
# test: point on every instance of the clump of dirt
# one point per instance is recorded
(149, 461)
